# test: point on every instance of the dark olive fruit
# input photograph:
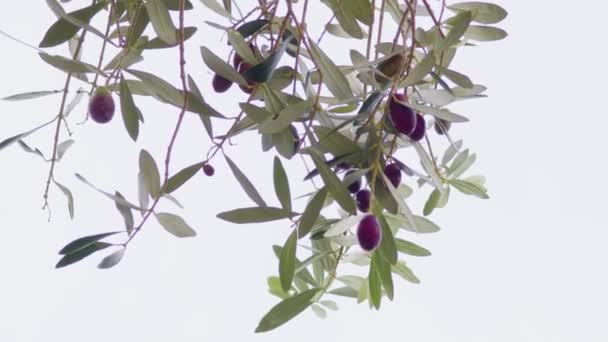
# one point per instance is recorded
(243, 67)
(354, 186)
(403, 117)
(221, 84)
(393, 173)
(442, 126)
(369, 233)
(208, 170)
(364, 198)
(101, 105)
(420, 129)
(389, 68)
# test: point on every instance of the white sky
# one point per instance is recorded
(527, 265)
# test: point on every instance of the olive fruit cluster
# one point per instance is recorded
(221, 85)
(405, 120)
(369, 233)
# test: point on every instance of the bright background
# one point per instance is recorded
(527, 265)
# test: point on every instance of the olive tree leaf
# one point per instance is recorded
(345, 16)
(112, 259)
(125, 212)
(217, 65)
(69, 196)
(374, 283)
(403, 207)
(432, 202)
(246, 184)
(287, 261)
(411, 248)
(142, 194)
(383, 268)
(158, 43)
(469, 188)
(419, 72)
(62, 30)
(180, 178)
(405, 272)
(30, 95)
(333, 78)
(107, 194)
(485, 33)
(241, 47)
(334, 185)
(286, 310)
(161, 21)
(311, 213)
(130, 113)
(69, 65)
(175, 225)
(387, 248)
(82, 253)
(281, 185)
(483, 12)
(149, 170)
(63, 147)
(255, 215)
(459, 25)
(83, 242)
(217, 8)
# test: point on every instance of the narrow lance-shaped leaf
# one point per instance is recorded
(112, 259)
(161, 21)
(384, 273)
(311, 213)
(130, 113)
(220, 67)
(287, 261)
(62, 30)
(180, 178)
(175, 225)
(30, 95)
(374, 283)
(149, 170)
(246, 184)
(281, 184)
(83, 242)
(126, 213)
(459, 23)
(333, 78)
(387, 248)
(81, 254)
(286, 310)
(69, 196)
(107, 194)
(334, 185)
(255, 215)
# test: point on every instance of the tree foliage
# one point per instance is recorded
(349, 121)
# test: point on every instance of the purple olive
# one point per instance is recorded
(220, 84)
(442, 126)
(355, 186)
(364, 198)
(404, 118)
(420, 129)
(101, 105)
(369, 233)
(393, 173)
(208, 170)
